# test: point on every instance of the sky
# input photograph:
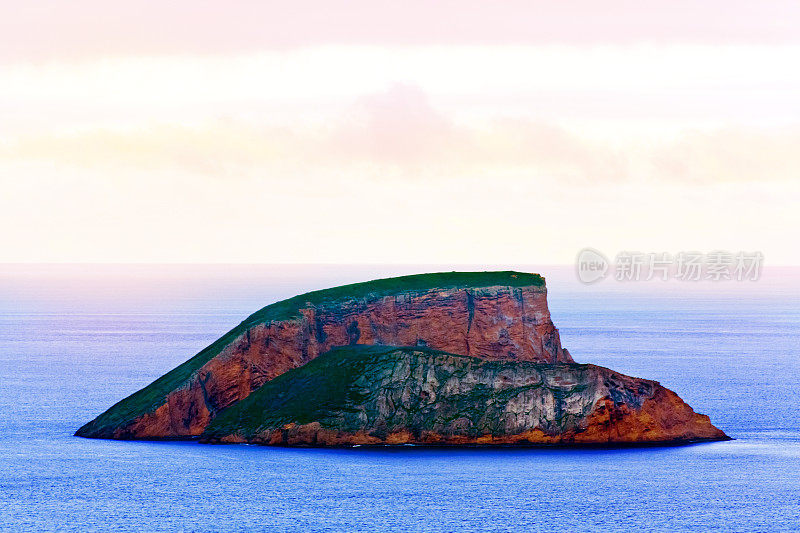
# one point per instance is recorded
(397, 132)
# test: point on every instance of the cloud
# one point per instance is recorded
(551, 150)
(400, 128)
(218, 148)
(398, 133)
(730, 155)
(38, 29)
(397, 127)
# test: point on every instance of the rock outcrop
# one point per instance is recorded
(493, 315)
(474, 358)
(386, 395)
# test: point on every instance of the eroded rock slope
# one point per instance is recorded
(386, 395)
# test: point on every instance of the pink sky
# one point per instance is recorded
(36, 29)
(422, 132)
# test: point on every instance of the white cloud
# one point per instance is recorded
(399, 133)
(347, 154)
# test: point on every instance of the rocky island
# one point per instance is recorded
(452, 358)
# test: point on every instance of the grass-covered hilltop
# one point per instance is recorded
(445, 358)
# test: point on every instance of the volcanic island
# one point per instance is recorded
(449, 358)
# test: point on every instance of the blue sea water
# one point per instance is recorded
(73, 342)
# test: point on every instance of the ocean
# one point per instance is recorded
(75, 339)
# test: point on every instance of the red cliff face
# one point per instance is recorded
(491, 322)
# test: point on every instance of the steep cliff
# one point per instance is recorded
(388, 395)
(491, 315)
